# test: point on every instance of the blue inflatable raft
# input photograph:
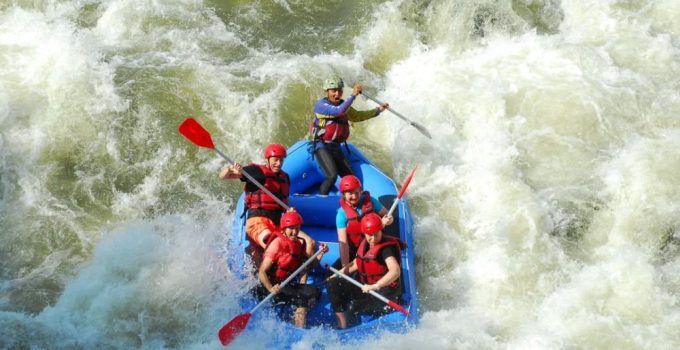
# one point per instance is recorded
(319, 222)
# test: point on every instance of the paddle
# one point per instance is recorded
(195, 133)
(401, 193)
(372, 292)
(414, 124)
(237, 324)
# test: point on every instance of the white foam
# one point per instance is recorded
(546, 202)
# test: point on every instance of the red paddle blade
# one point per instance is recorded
(398, 308)
(233, 328)
(195, 133)
(408, 181)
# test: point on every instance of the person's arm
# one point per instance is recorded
(377, 206)
(323, 247)
(323, 108)
(343, 246)
(347, 269)
(386, 219)
(310, 243)
(256, 173)
(343, 243)
(393, 272)
(359, 116)
(267, 263)
(350, 268)
(355, 116)
(303, 277)
(231, 172)
(382, 211)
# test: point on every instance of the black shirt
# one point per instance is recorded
(257, 174)
(388, 251)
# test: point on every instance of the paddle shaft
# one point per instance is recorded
(290, 278)
(381, 103)
(251, 179)
(196, 133)
(414, 124)
(401, 193)
(394, 206)
(372, 292)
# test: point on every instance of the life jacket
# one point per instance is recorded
(354, 218)
(330, 128)
(370, 269)
(290, 257)
(276, 183)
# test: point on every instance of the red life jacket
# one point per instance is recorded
(291, 256)
(276, 183)
(354, 218)
(331, 128)
(370, 269)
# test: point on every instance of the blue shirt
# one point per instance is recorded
(324, 110)
(324, 106)
(341, 217)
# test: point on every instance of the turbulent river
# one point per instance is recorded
(547, 202)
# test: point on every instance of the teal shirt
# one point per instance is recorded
(341, 217)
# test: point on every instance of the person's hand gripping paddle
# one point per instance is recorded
(391, 303)
(195, 133)
(411, 122)
(237, 324)
(372, 292)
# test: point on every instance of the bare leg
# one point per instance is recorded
(342, 320)
(300, 317)
(262, 238)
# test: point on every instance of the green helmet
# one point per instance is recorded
(334, 82)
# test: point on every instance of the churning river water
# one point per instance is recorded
(547, 202)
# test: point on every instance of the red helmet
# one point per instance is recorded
(290, 219)
(275, 150)
(349, 183)
(371, 223)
